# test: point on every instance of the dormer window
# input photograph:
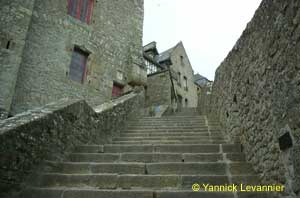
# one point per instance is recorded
(81, 9)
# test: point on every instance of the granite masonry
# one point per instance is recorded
(159, 90)
(40, 41)
(52, 131)
(256, 93)
(166, 88)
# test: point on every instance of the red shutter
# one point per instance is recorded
(89, 11)
(117, 90)
(81, 9)
(72, 7)
(79, 5)
(69, 6)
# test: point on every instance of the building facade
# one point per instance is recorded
(171, 80)
(90, 49)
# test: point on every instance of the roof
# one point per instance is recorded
(164, 55)
(150, 47)
(198, 77)
(201, 80)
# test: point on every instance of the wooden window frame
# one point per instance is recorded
(84, 73)
(78, 5)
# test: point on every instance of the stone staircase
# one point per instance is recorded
(152, 158)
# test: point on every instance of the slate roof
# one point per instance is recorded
(164, 55)
(201, 80)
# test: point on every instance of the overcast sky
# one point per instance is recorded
(208, 28)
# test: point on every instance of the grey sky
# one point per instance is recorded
(208, 28)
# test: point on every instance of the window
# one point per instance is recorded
(179, 79)
(6, 43)
(117, 90)
(120, 75)
(81, 9)
(185, 83)
(186, 102)
(181, 61)
(151, 68)
(78, 67)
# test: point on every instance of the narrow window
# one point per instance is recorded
(186, 102)
(179, 79)
(78, 67)
(185, 83)
(81, 9)
(117, 90)
(181, 61)
(8, 45)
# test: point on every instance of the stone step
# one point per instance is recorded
(172, 117)
(154, 157)
(184, 122)
(190, 194)
(159, 168)
(167, 134)
(195, 137)
(84, 193)
(170, 122)
(174, 120)
(158, 182)
(175, 148)
(95, 168)
(168, 127)
(141, 193)
(166, 130)
(171, 142)
(166, 123)
(172, 133)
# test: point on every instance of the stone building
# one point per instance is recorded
(76, 49)
(170, 77)
(204, 88)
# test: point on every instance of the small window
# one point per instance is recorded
(78, 67)
(186, 102)
(6, 43)
(120, 75)
(185, 83)
(117, 90)
(179, 79)
(181, 61)
(81, 9)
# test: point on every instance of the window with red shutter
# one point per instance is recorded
(117, 90)
(78, 67)
(81, 9)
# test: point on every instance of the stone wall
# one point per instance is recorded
(256, 92)
(113, 40)
(15, 18)
(158, 89)
(204, 98)
(54, 130)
